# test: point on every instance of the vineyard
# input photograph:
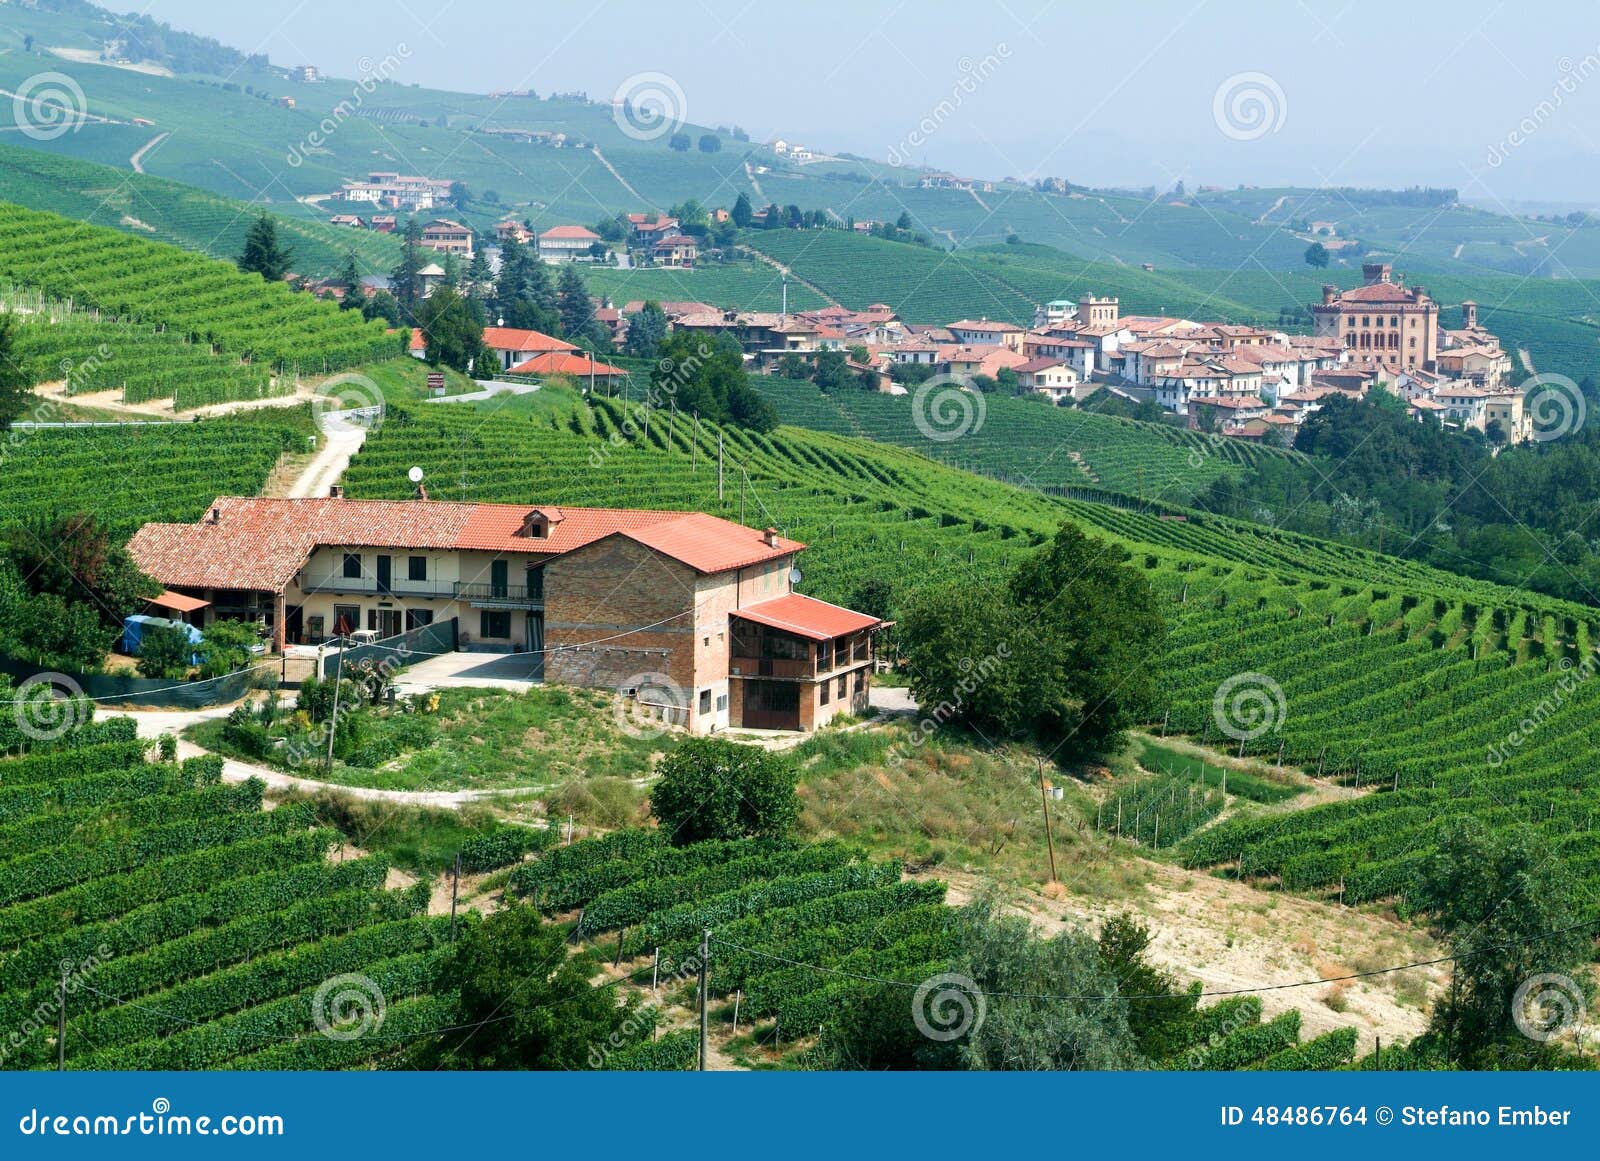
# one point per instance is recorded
(133, 473)
(196, 299)
(196, 929)
(1026, 442)
(805, 936)
(1394, 675)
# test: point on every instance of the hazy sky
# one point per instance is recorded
(1486, 97)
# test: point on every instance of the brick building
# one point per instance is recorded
(1383, 325)
(694, 608)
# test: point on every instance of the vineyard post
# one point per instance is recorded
(333, 721)
(695, 446)
(655, 973)
(1377, 1053)
(455, 891)
(719, 465)
(1050, 842)
(622, 941)
(738, 996)
(705, 954)
(61, 1023)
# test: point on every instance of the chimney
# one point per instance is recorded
(1375, 272)
(771, 537)
(1329, 293)
(336, 492)
(216, 515)
(422, 491)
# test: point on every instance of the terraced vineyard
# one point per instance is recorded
(197, 929)
(1397, 673)
(142, 364)
(129, 474)
(1026, 442)
(199, 299)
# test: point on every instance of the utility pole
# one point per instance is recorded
(455, 891)
(1050, 842)
(61, 1023)
(705, 954)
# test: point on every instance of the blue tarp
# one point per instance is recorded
(134, 629)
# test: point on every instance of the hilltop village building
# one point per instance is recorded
(682, 602)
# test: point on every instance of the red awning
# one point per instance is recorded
(178, 602)
(807, 617)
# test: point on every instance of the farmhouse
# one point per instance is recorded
(512, 345)
(566, 243)
(698, 609)
(447, 237)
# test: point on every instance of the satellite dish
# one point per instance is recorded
(415, 475)
(795, 576)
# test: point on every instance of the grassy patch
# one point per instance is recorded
(413, 838)
(1257, 787)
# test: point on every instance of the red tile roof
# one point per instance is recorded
(513, 339)
(570, 232)
(565, 363)
(807, 617)
(261, 544)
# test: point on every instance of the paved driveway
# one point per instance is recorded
(513, 671)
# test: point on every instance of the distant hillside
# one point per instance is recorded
(153, 207)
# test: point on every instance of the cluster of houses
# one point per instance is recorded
(655, 240)
(1243, 381)
(398, 191)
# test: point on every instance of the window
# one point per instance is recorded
(417, 568)
(352, 565)
(843, 679)
(861, 680)
(346, 619)
(825, 687)
(722, 702)
(824, 656)
(705, 701)
(494, 623)
(1394, 320)
(417, 618)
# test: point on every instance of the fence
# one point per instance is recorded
(110, 690)
(408, 648)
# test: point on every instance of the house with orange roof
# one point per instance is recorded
(513, 345)
(567, 244)
(579, 365)
(693, 617)
(448, 237)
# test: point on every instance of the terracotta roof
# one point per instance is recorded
(514, 339)
(178, 602)
(1230, 402)
(807, 617)
(565, 363)
(419, 341)
(1040, 364)
(570, 232)
(260, 544)
(1379, 292)
(968, 324)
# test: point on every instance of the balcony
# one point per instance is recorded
(481, 596)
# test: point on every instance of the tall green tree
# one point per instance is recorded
(350, 279)
(524, 1002)
(742, 212)
(573, 305)
(454, 329)
(1510, 915)
(263, 254)
(1317, 255)
(524, 295)
(406, 278)
(710, 788)
(646, 329)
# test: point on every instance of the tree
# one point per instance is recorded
(903, 222)
(1159, 1025)
(406, 277)
(680, 142)
(831, 374)
(709, 378)
(262, 253)
(772, 217)
(1510, 914)
(714, 789)
(480, 275)
(164, 651)
(742, 213)
(16, 385)
(574, 307)
(524, 296)
(454, 330)
(1050, 1004)
(524, 1003)
(76, 558)
(646, 329)
(1066, 648)
(350, 279)
(385, 306)
(228, 647)
(710, 143)
(1317, 255)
